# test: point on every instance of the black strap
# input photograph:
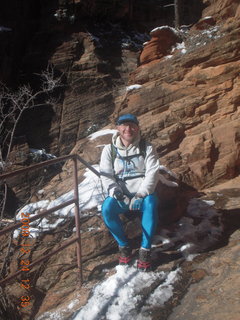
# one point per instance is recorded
(142, 147)
(127, 158)
(130, 177)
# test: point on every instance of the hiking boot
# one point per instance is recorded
(144, 260)
(125, 255)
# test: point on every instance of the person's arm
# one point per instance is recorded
(110, 185)
(150, 181)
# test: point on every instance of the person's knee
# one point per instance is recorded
(151, 201)
(109, 207)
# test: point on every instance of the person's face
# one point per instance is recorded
(128, 132)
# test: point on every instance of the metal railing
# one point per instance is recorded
(75, 200)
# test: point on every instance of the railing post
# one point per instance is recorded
(77, 220)
(75, 200)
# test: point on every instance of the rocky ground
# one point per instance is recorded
(206, 280)
(186, 94)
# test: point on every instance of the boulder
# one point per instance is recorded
(161, 43)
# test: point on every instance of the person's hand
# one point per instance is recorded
(122, 200)
(118, 194)
(136, 203)
(124, 203)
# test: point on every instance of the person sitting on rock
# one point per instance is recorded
(130, 172)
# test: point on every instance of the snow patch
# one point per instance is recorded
(164, 28)
(101, 133)
(39, 155)
(91, 196)
(206, 18)
(167, 182)
(180, 47)
(165, 169)
(165, 291)
(116, 297)
(168, 56)
(202, 222)
(100, 145)
(133, 87)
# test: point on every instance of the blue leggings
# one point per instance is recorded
(111, 210)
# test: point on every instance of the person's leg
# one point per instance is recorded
(110, 213)
(149, 219)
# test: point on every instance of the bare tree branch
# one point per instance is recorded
(4, 199)
(12, 106)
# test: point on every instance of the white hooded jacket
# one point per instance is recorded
(135, 175)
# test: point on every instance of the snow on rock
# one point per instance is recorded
(129, 294)
(91, 196)
(199, 38)
(202, 221)
(181, 47)
(38, 155)
(169, 56)
(133, 87)
(59, 314)
(155, 30)
(119, 296)
(165, 169)
(41, 191)
(101, 133)
(135, 40)
(205, 23)
(167, 182)
(165, 291)
(164, 180)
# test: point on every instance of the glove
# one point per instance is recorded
(122, 200)
(136, 203)
(124, 203)
(118, 194)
